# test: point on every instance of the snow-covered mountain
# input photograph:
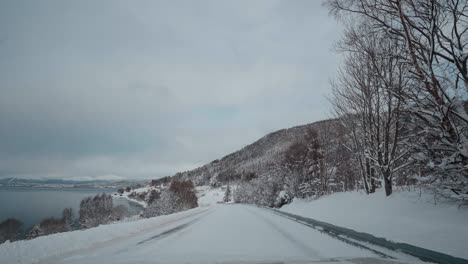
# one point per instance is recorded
(251, 160)
(64, 183)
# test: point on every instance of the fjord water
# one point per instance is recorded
(31, 205)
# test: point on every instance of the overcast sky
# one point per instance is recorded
(138, 89)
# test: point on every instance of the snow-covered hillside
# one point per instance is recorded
(252, 159)
(412, 217)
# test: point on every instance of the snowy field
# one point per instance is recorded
(406, 216)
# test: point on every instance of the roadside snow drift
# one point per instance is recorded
(45, 249)
(406, 216)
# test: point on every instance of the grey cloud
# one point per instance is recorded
(149, 88)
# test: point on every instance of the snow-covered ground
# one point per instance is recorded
(232, 233)
(406, 216)
(207, 195)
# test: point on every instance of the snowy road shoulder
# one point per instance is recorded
(56, 246)
(380, 246)
(412, 217)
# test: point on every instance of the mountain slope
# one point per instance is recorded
(252, 160)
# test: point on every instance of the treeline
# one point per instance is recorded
(167, 195)
(10, 229)
(180, 196)
(400, 101)
(94, 211)
(316, 164)
(99, 210)
(402, 90)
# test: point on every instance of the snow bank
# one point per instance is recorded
(406, 216)
(208, 195)
(35, 250)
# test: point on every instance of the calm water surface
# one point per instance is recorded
(31, 205)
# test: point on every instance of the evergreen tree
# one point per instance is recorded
(227, 194)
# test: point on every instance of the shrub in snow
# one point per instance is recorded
(282, 199)
(242, 193)
(52, 225)
(165, 205)
(95, 210)
(67, 217)
(262, 190)
(227, 195)
(179, 197)
(214, 181)
(152, 196)
(185, 193)
(34, 232)
(119, 212)
(9, 229)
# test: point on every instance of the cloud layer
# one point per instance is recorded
(149, 88)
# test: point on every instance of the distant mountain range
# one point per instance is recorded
(18, 182)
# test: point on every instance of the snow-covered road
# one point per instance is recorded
(221, 234)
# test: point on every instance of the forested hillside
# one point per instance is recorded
(250, 161)
(297, 162)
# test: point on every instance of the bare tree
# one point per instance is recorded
(119, 212)
(52, 225)
(95, 210)
(433, 36)
(368, 97)
(67, 217)
(179, 197)
(9, 229)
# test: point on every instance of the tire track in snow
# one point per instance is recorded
(298, 244)
(169, 232)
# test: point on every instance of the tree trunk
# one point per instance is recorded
(388, 186)
(371, 174)
(373, 186)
